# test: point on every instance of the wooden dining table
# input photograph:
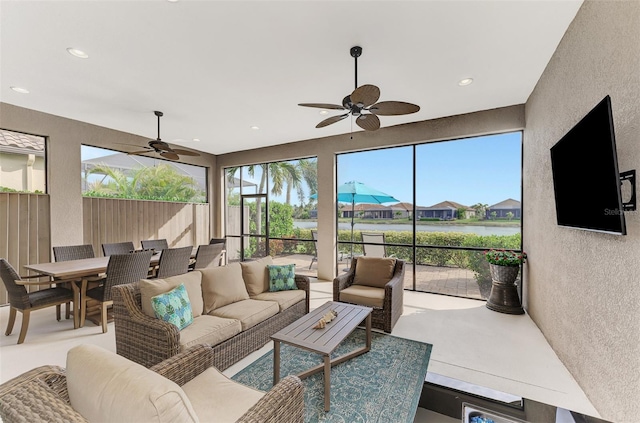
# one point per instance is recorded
(79, 273)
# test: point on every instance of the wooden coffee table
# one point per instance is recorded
(324, 341)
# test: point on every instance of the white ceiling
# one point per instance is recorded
(216, 68)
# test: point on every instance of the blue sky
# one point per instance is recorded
(475, 170)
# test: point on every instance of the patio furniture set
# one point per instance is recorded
(234, 312)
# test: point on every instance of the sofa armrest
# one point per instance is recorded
(183, 367)
(284, 403)
(304, 283)
(343, 280)
(394, 293)
(37, 395)
(140, 338)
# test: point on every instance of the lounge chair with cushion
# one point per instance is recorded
(98, 385)
(374, 282)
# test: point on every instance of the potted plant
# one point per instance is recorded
(504, 267)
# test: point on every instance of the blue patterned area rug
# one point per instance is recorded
(383, 385)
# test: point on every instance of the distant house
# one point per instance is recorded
(402, 210)
(367, 211)
(445, 210)
(504, 207)
(22, 162)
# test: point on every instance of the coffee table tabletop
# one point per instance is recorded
(301, 334)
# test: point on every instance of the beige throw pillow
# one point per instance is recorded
(152, 287)
(106, 387)
(256, 275)
(222, 285)
(374, 271)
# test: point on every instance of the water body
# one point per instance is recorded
(478, 230)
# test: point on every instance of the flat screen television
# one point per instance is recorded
(586, 179)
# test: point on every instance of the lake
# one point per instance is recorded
(478, 230)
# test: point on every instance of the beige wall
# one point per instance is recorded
(583, 288)
(64, 138)
(22, 172)
(480, 123)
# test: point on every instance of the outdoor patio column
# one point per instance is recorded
(326, 216)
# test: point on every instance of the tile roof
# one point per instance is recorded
(15, 139)
(509, 203)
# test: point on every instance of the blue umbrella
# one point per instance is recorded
(356, 192)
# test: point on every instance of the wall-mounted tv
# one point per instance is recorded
(586, 179)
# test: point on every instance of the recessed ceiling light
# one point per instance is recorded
(20, 90)
(255, 128)
(172, 1)
(465, 82)
(196, 139)
(78, 53)
(324, 112)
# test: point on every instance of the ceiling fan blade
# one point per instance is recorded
(368, 122)
(140, 152)
(322, 106)
(365, 95)
(184, 152)
(170, 156)
(133, 145)
(332, 119)
(393, 108)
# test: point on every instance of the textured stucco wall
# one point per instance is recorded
(64, 138)
(494, 121)
(583, 288)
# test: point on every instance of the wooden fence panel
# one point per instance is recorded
(25, 236)
(116, 220)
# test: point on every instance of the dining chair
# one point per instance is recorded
(72, 252)
(374, 245)
(208, 256)
(174, 261)
(117, 248)
(314, 235)
(155, 244)
(121, 269)
(25, 302)
(222, 241)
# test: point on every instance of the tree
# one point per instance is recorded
(493, 215)
(481, 210)
(509, 215)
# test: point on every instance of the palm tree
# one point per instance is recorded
(308, 169)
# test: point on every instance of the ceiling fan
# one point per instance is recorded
(361, 103)
(162, 147)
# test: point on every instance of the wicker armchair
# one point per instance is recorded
(122, 269)
(117, 248)
(155, 244)
(41, 395)
(385, 314)
(25, 302)
(174, 261)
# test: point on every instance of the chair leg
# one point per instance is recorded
(58, 312)
(67, 311)
(103, 317)
(12, 320)
(26, 314)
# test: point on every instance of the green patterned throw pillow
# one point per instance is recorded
(173, 307)
(282, 278)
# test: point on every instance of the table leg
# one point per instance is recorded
(76, 305)
(327, 383)
(83, 304)
(276, 362)
(368, 331)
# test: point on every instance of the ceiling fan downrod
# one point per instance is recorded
(356, 52)
(159, 114)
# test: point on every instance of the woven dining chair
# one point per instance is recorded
(174, 261)
(117, 248)
(121, 269)
(155, 244)
(72, 252)
(208, 256)
(25, 302)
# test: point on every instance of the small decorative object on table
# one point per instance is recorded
(504, 267)
(331, 314)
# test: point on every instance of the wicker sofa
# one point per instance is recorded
(98, 385)
(234, 313)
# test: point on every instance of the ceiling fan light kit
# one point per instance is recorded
(362, 104)
(162, 148)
